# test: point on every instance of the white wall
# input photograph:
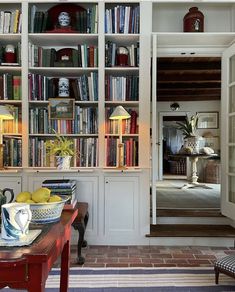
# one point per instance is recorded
(191, 107)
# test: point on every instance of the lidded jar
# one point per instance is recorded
(194, 20)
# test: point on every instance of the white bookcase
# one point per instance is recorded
(106, 188)
(91, 179)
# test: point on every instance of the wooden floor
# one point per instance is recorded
(191, 230)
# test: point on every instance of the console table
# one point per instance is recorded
(193, 183)
(80, 224)
(28, 267)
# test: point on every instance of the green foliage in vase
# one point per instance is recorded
(189, 127)
(61, 146)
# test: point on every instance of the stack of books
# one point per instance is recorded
(63, 188)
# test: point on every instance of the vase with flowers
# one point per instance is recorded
(188, 128)
(63, 150)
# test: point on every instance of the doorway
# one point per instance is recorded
(189, 82)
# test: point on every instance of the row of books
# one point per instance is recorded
(10, 21)
(83, 56)
(83, 88)
(17, 57)
(84, 122)
(84, 20)
(86, 153)
(10, 87)
(122, 19)
(87, 56)
(111, 54)
(12, 151)
(130, 151)
(122, 88)
(65, 188)
(13, 126)
(129, 126)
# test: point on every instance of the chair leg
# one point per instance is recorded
(216, 275)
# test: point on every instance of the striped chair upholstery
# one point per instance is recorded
(225, 265)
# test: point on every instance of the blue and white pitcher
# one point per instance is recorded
(15, 220)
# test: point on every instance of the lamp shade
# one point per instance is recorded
(5, 113)
(119, 113)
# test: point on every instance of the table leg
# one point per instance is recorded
(64, 271)
(37, 279)
(194, 183)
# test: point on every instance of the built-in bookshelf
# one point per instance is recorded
(88, 53)
(11, 81)
(122, 79)
(63, 52)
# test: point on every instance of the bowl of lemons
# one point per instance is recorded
(45, 208)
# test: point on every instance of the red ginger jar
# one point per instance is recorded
(194, 20)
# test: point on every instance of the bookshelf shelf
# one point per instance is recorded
(10, 37)
(66, 135)
(123, 103)
(55, 170)
(18, 102)
(64, 39)
(121, 69)
(61, 71)
(9, 69)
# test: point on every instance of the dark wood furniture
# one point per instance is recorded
(225, 265)
(80, 224)
(28, 267)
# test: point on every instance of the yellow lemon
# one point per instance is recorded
(54, 198)
(41, 195)
(30, 201)
(23, 197)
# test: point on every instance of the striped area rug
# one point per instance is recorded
(141, 280)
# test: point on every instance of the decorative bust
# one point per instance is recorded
(64, 19)
(63, 87)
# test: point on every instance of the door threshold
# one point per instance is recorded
(191, 230)
(207, 212)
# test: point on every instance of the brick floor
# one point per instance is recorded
(150, 256)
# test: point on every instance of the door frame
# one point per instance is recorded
(227, 207)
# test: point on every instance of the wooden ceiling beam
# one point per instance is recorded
(188, 97)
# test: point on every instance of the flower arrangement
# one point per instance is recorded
(61, 146)
(189, 127)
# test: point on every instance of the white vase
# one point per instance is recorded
(63, 163)
(192, 142)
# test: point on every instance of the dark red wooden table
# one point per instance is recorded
(28, 267)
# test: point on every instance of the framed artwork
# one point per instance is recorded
(61, 109)
(208, 120)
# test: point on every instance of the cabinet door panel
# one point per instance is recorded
(36, 182)
(87, 191)
(121, 205)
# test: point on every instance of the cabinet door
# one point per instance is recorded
(12, 183)
(87, 191)
(121, 206)
(35, 182)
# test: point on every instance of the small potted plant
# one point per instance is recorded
(63, 150)
(188, 129)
